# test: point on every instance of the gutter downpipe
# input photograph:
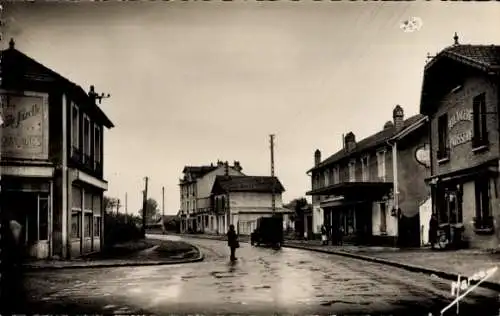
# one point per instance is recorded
(395, 190)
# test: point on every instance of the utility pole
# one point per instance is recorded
(163, 208)
(144, 204)
(273, 197)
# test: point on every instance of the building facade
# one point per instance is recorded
(241, 200)
(353, 190)
(52, 159)
(196, 211)
(461, 96)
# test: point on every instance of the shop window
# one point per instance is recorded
(443, 148)
(454, 207)
(480, 129)
(76, 224)
(97, 226)
(483, 219)
(76, 196)
(383, 217)
(96, 204)
(88, 201)
(87, 225)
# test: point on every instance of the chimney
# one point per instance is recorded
(317, 157)
(388, 124)
(226, 169)
(398, 117)
(350, 141)
(237, 166)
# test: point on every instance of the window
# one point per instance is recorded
(97, 226)
(483, 218)
(86, 135)
(87, 225)
(96, 204)
(336, 175)
(97, 146)
(75, 129)
(327, 177)
(352, 171)
(480, 130)
(443, 137)
(364, 168)
(76, 224)
(43, 213)
(381, 165)
(383, 217)
(454, 206)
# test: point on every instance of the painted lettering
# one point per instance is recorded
(461, 138)
(459, 116)
(464, 284)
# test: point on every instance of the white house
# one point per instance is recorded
(241, 200)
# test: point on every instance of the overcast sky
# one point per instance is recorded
(193, 82)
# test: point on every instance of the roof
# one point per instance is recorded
(260, 184)
(199, 170)
(35, 70)
(484, 57)
(370, 142)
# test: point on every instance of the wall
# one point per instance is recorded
(318, 218)
(253, 201)
(205, 183)
(391, 221)
(413, 190)
(462, 156)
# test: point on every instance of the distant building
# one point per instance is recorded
(461, 96)
(196, 211)
(241, 200)
(52, 158)
(353, 189)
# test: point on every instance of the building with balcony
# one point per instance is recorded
(196, 211)
(241, 200)
(461, 96)
(353, 189)
(51, 158)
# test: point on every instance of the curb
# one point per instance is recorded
(413, 268)
(200, 258)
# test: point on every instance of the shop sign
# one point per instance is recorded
(463, 115)
(25, 127)
(423, 155)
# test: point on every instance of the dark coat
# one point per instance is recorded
(232, 239)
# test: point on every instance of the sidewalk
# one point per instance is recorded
(147, 257)
(444, 264)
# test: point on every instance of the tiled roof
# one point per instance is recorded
(369, 142)
(248, 184)
(34, 69)
(482, 56)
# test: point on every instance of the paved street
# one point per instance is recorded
(263, 280)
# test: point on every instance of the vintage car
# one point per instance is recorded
(269, 232)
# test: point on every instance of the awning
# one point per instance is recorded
(338, 202)
(487, 168)
(354, 188)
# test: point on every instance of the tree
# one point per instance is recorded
(298, 206)
(152, 210)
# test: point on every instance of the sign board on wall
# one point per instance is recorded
(25, 131)
(423, 155)
(465, 135)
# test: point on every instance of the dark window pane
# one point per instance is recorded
(44, 219)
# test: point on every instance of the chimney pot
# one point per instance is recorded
(398, 117)
(350, 141)
(317, 157)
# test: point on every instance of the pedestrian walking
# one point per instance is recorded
(232, 242)
(433, 228)
(324, 237)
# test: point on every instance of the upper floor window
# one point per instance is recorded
(86, 135)
(75, 127)
(443, 148)
(364, 168)
(352, 171)
(97, 144)
(336, 175)
(381, 165)
(480, 130)
(326, 175)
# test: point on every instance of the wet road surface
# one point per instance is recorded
(261, 281)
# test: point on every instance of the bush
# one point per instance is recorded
(120, 228)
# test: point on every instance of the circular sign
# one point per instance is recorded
(423, 155)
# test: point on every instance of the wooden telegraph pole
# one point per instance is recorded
(273, 196)
(163, 209)
(144, 204)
